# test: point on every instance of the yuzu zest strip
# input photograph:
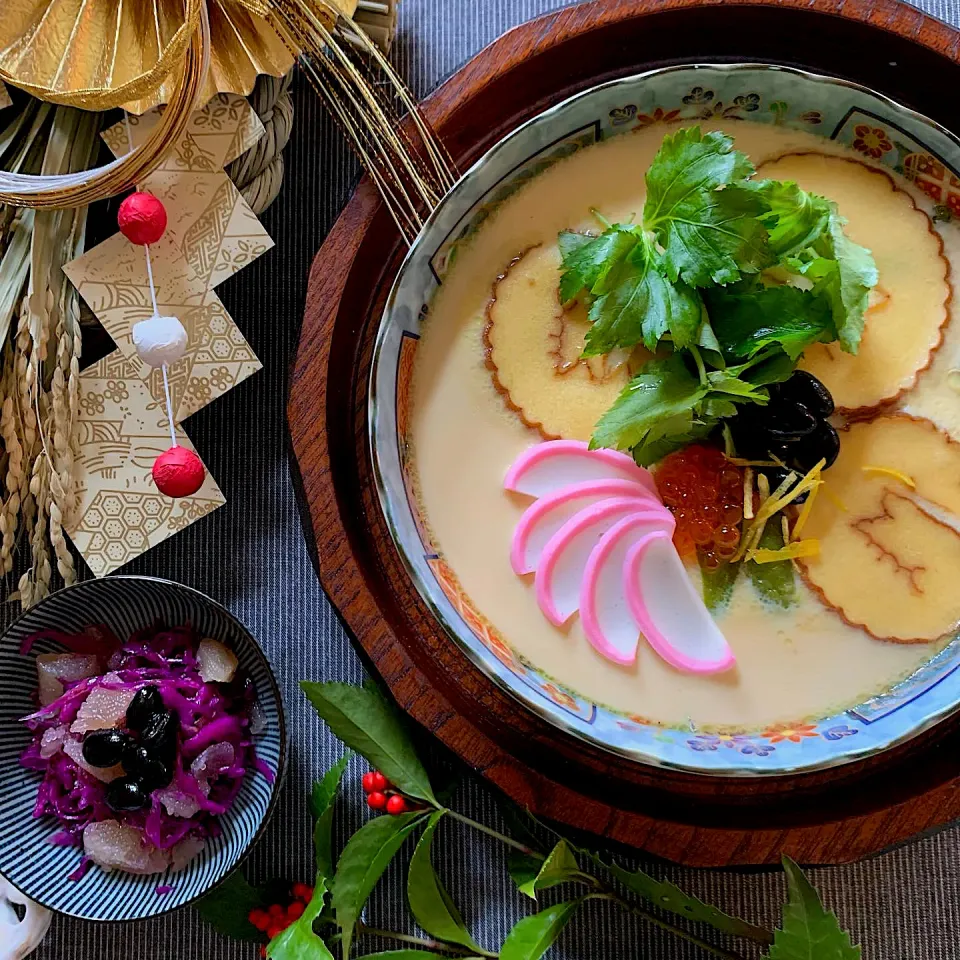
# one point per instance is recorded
(804, 513)
(799, 548)
(904, 478)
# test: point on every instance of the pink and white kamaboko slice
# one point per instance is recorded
(543, 518)
(669, 610)
(554, 464)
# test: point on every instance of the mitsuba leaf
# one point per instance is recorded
(533, 936)
(227, 907)
(747, 321)
(560, 867)
(366, 723)
(637, 303)
(775, 582)
(808, 931)
(298, 941)
(795, 219)
(587, 260)
(707, 224)
(430, 902)
(670, 435)
(361, 864)
(663, 389)
(322, 802)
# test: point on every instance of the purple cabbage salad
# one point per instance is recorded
(142, 744)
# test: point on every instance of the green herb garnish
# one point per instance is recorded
(729, 279)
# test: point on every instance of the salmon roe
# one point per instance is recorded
(704, 492)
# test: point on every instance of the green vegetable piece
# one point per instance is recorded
(718, 584)
(322, 802)
(808, 931)
(533, 936)
(227, 906)
(775, 582)
(560, 867)
(367, 854)
(663, 389)
(366, 723)
(796, 218)
(298, 941)
(747, 321)
(670, 897)
(708, 225)
(429, 900)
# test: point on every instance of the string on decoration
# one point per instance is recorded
(159, 340)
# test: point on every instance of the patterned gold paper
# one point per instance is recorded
(99, 54)
(5, 100)
(211, 233)
(121, 431)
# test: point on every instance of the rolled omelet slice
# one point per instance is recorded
(533, 349)
(889, 558)
(910, 304)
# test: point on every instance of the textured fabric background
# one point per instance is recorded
(251, 554)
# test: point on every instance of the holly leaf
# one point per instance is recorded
(322, 803)
(747, 321)
(405, 955)
(808, 931)
(669, 896)
(708, 226)
(523, 867)
(362, 862)
(560, 867)
(587, 260)
(368, 724)
(796, 218)
(533, 936)
(298, 941)
(429, 900)
(663, 389)
(637, 303)
(227, 907)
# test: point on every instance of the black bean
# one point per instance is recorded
(142, 764)
(789, 421)
(104, 748)
(159, 736)
(805, 388)
(146, 703)
(822, 444)
(126, 794)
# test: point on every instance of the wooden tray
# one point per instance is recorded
(827, 817)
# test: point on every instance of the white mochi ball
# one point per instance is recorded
(160, 340)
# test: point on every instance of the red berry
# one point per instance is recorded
(376, 800)
(302, 892)
(260, 919)
(276, 912)
(295, 910)
(263, 951)
(367, 782)
(380, 782)
(142, 218)
(396, 805)
(276, 930)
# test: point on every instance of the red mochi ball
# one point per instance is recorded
(142, 218)
(178, 472)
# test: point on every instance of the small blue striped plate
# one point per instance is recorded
(41, 870)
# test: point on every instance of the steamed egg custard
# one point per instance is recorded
(683, 431)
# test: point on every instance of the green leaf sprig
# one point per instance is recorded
(728, 278)
(332, 922)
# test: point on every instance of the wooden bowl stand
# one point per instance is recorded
(828, 817)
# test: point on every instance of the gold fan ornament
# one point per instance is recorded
(99, 54)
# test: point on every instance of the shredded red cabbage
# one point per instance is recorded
(210, 713)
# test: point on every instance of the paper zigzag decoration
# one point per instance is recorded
(211, 234)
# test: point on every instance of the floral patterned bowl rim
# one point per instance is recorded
(870, 122)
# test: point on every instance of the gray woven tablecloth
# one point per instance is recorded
(251, 554)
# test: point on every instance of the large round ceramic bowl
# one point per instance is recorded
(43, 871)
(834, 109)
